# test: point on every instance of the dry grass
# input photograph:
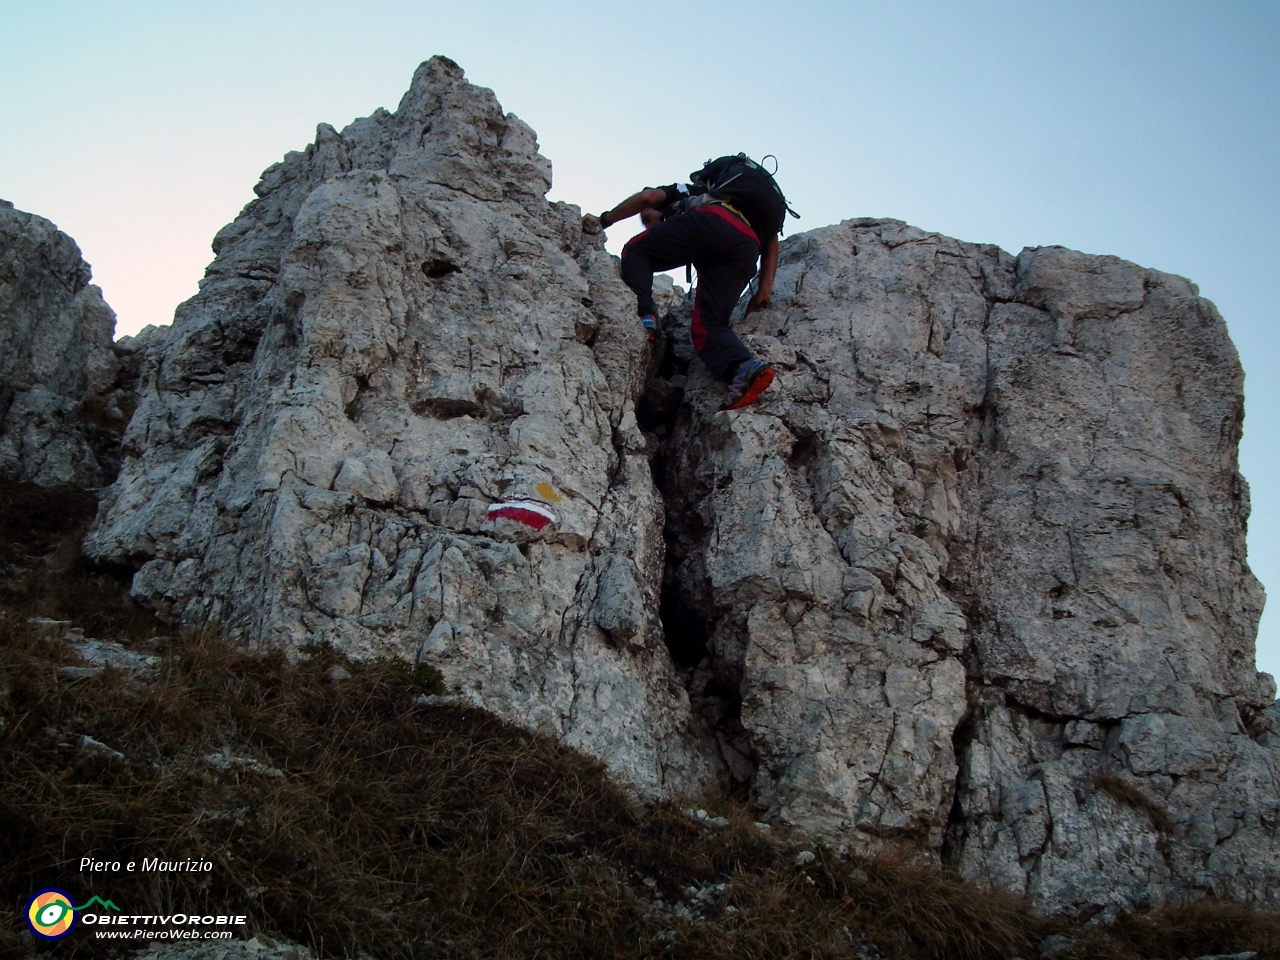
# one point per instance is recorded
(402, 829)
(1175, 932)
(407, 830)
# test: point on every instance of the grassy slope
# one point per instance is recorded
(401, 829)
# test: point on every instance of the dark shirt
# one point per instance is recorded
(678, 191)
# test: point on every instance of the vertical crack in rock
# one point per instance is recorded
(688, 615)
(969, 578)
(808, 538)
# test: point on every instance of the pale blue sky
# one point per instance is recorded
(1148, 130)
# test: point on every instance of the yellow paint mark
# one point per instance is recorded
(545, 491)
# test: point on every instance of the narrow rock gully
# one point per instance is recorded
(686, 608)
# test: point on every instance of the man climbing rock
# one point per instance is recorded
(726, 218)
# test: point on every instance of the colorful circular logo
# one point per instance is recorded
(51, 914)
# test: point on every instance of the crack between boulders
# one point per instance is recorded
(1071, 556)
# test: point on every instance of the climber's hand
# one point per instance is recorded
(591, 225)
(768, 270)
(760, 300)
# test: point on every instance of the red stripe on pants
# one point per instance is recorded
(724, 214)
(696, 330)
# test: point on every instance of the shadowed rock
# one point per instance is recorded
(61, 406)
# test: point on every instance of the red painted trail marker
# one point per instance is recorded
(532, 513)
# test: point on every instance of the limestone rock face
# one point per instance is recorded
(60, 410)
(975, 567)
(970, 578)
(400, 333)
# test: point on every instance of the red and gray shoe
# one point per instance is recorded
(751, 380)
(651, 326)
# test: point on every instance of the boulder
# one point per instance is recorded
(976, 567)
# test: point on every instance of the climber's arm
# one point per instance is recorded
(768, 268)
(651, 198)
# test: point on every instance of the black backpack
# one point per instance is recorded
(741, 181)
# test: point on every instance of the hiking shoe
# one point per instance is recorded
(651, 326)
(751, 380)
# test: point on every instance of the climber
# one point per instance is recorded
(721, 222)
